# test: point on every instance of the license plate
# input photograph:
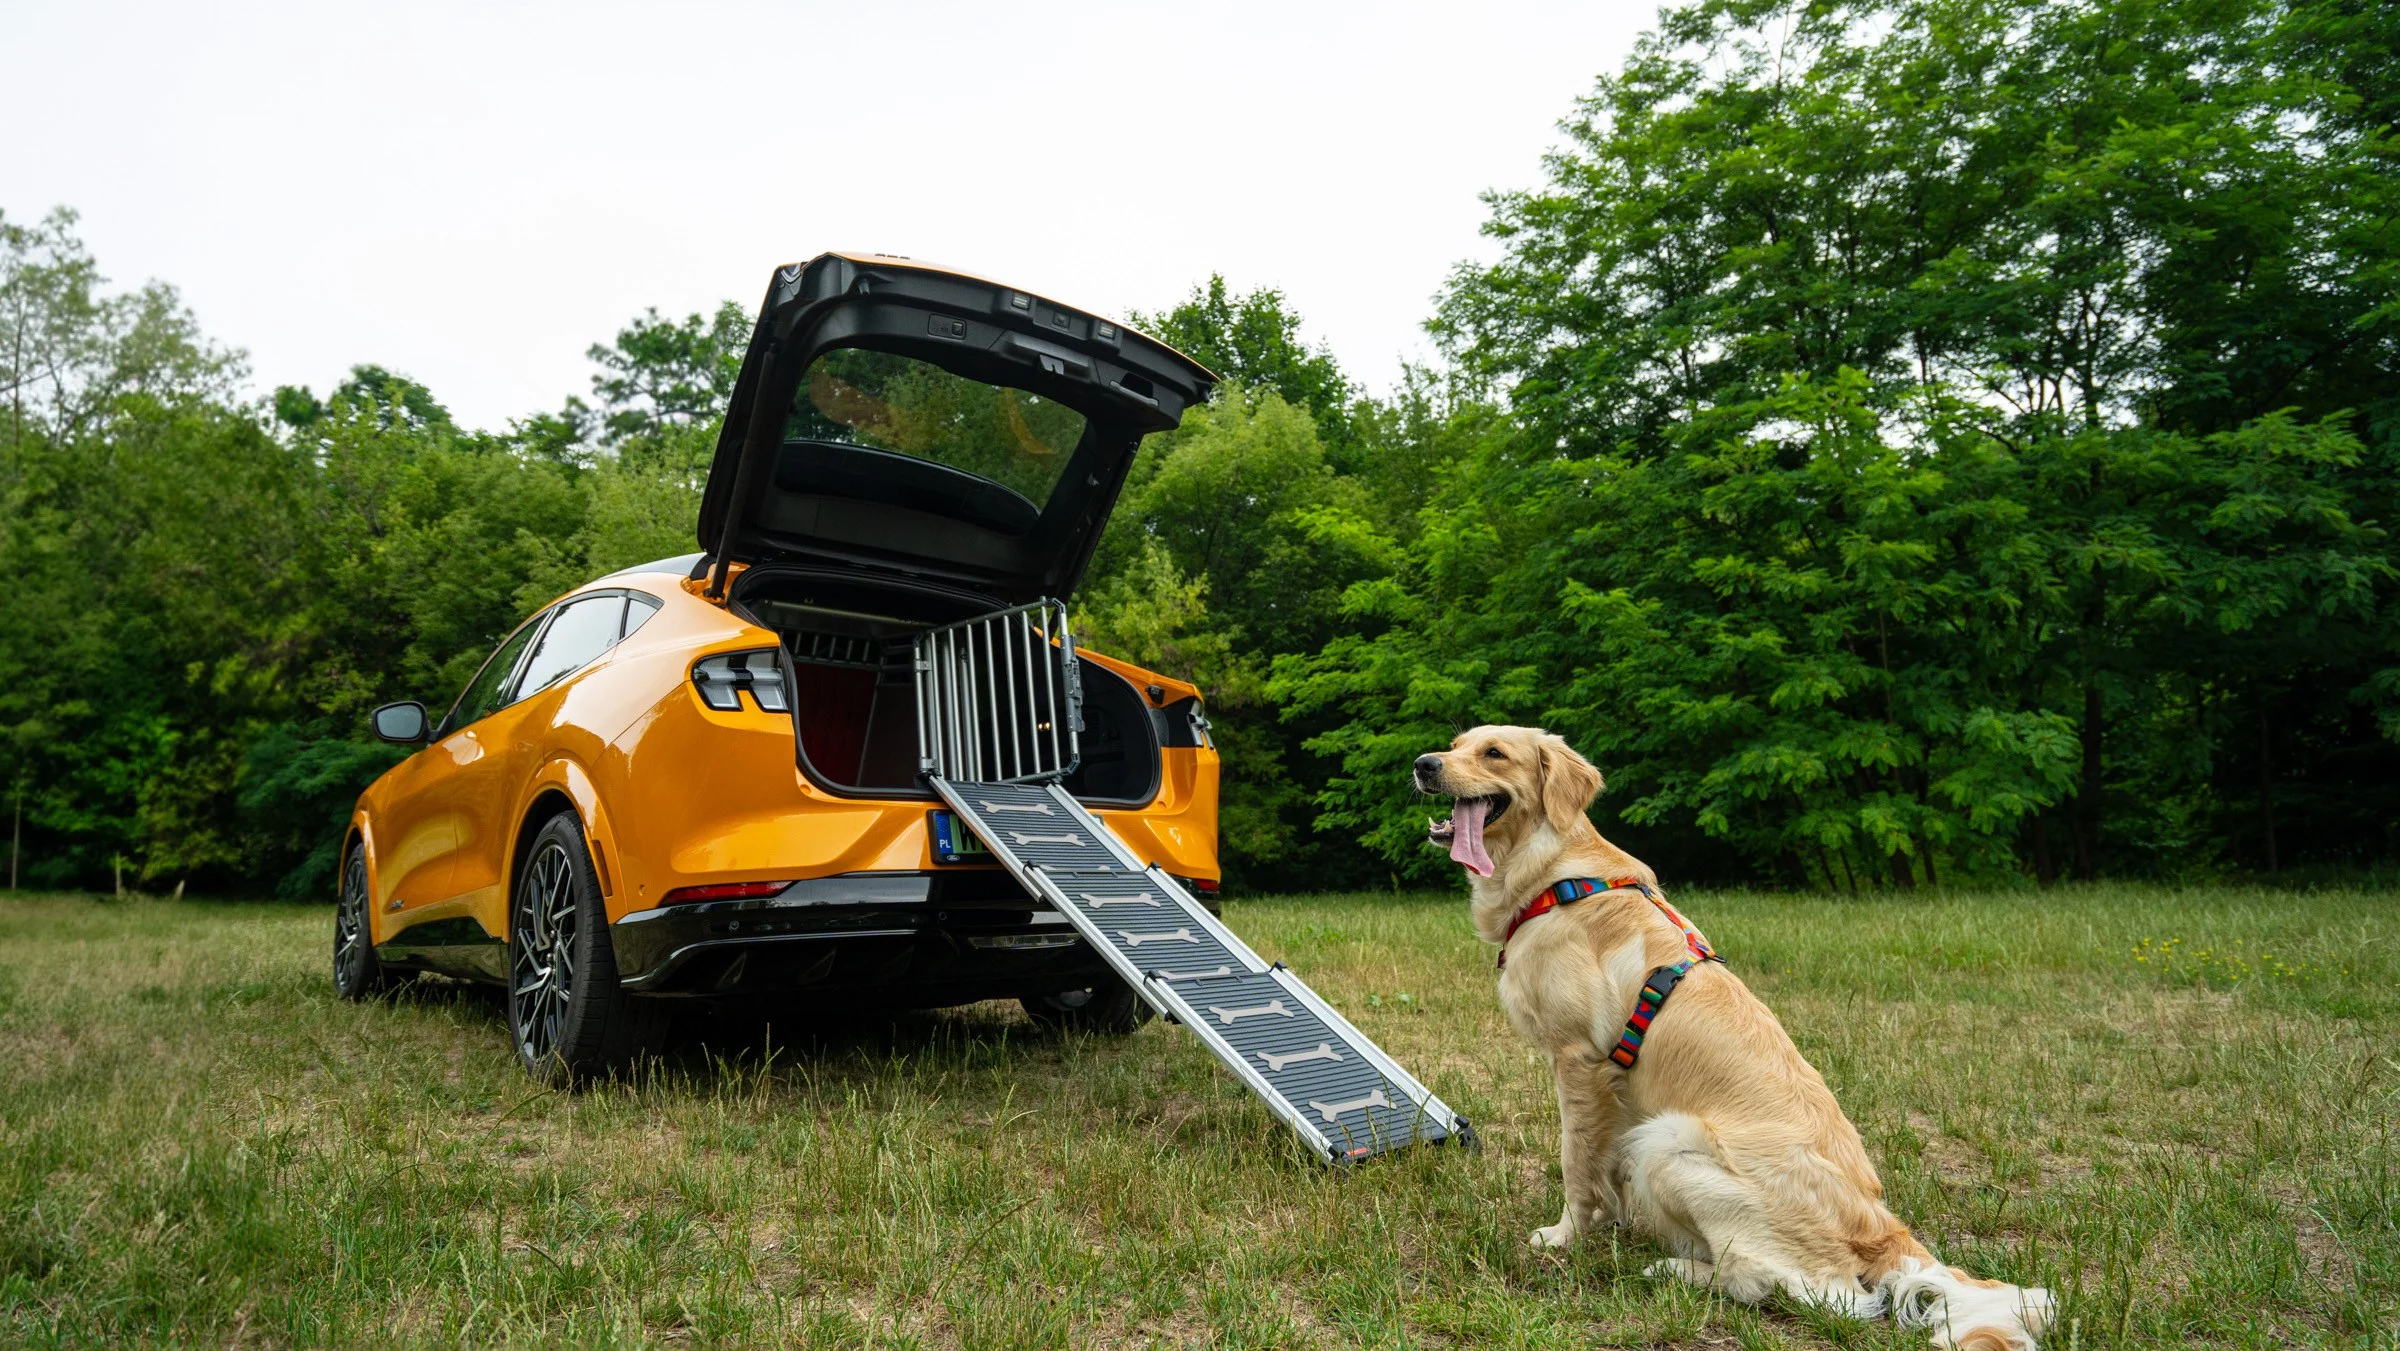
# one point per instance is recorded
(954, 843)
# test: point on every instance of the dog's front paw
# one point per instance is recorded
(1681, 1269)
(1551, 1237)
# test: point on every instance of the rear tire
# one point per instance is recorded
(567, 1015)
(1110, 1008)
(357, 975)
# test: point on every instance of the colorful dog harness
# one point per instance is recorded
(1657, 986)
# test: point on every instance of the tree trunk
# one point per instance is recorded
(2266, 782)
(2087, 795)
(2045, 868)
(1903, 878)
(16, 839)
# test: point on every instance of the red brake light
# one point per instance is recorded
(723, 891)
(1204, 885)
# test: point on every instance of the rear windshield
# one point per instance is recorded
(887, 402)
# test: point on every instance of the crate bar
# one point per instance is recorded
(984, 712)
(1014, 765)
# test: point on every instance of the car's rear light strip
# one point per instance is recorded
(999, 698)
(723, 891)
(722, 678)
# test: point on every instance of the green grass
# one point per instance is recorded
(2192, 1141)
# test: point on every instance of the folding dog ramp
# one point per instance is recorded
(999, 713)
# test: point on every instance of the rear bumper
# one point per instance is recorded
(907, 939)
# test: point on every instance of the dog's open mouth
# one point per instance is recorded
(1462, 834)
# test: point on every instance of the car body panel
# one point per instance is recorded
(415, 837)
(490, 762)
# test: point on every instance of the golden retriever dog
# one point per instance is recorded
(1719, 1139)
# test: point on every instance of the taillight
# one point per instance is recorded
(1206, 886)
(721, 680)
(723, 891)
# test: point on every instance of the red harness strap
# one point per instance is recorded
(1577, 888)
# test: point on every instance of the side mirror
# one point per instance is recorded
(403, 722)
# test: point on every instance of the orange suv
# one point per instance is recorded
(704, 777)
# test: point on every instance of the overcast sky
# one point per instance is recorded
(473, 194)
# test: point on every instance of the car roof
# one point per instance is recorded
(681, 565)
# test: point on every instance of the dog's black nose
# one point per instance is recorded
(1429, 764)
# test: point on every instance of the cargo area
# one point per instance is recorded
(849, 660)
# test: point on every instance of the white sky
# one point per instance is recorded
(471, 194)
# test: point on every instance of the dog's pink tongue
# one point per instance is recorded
(1466, 836)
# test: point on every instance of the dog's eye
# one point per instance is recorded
(1494, 753)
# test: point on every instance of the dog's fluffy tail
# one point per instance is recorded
(1965, 1314)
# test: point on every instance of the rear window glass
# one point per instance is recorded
(583, 630)
(887, 402)
(638, 609)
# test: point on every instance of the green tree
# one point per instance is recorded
(1253, 340)
(664, 373)
(68, 351)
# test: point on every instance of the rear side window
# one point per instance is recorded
(582, 631)
(484, 693)
(638, 609)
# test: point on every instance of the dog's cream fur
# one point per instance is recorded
(1721, 1141)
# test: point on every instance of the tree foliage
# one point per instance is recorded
(1253, 340)
(209, 596)
(1943, 436)
(1902, 441)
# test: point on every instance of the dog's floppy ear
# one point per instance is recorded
(1569, 783)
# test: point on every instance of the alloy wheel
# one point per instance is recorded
(350, 926)
(541, 944)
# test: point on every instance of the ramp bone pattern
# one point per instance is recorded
(1135, 898)
(1324, 1051)
(1155, 934)
(1272, 1006)
(1333, 1110)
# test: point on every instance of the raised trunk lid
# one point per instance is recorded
(903, 418)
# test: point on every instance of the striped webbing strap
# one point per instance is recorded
(1557, 894)
(1659, 984)
(1655, 990)
(1574, 889)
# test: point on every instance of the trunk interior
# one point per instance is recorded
(848, 652)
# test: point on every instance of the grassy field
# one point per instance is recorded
(2175, 1108)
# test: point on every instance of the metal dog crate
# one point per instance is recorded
(999, 697)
